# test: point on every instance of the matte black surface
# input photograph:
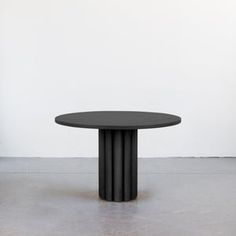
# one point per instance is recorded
(118, 146)
(118, 120)
(118, 165)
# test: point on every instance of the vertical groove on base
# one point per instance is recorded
(108, 166)
(101, 165)
(134, 166)
(127, 165)
(118, 165)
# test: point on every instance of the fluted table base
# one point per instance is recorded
(117, 165)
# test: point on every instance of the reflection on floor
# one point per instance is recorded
(177, 196)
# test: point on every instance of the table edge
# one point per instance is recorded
(119, 127)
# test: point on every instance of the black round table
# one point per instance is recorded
(117, 146)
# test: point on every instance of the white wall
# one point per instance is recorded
(169, 56)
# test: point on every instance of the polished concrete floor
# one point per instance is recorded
(58, 197)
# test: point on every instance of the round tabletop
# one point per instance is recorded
(117, 120)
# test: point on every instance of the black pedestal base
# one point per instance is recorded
(118, 165)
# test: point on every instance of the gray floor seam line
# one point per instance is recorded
(151, 173)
